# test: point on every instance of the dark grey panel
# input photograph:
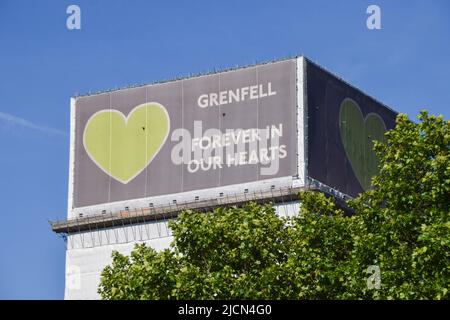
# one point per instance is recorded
(241, 115)
(329, 161)
(163, 178)
(209, 117)
(91, 185)
(280, 109)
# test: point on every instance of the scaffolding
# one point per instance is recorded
(171, 210)
(151, 222)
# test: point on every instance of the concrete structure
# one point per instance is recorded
(324, 152)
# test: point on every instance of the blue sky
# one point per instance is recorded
(42, 64)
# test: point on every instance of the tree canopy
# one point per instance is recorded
(400, 227)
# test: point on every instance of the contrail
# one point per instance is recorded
(17, 121)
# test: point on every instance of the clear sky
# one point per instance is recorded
(42, 64)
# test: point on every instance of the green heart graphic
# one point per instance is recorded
(124, 146)
(357, 135)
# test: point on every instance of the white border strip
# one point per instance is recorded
(301, 163)
(71, 157)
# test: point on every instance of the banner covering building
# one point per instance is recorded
(140, 155)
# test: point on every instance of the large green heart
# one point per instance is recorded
(124, 146)
(358, 134)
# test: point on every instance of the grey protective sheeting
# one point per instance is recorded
(327, 158)
(180, 99)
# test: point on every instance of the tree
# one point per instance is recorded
(215, 255)
(238, 253)
(403, 222)
(401, 226)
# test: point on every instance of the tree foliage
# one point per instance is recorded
(401, 226)
(403, 221)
